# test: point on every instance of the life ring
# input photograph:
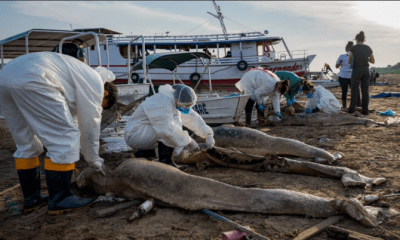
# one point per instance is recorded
(194, 77)
(242, 65)
(135, 77)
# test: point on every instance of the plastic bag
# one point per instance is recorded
(388, 113)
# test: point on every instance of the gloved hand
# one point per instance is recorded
(279, 115)
(210, 141)
(308, 111)
(289, 102)
(193, 146)
(261, 108)
(180, 156)
(293, 101)
(97, 166)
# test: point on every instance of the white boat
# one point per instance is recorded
(220, 110)
(324, 79)
(211, 107)
(231, 55)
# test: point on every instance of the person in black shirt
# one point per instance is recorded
(360, 55)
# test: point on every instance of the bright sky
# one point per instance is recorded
(323, 28)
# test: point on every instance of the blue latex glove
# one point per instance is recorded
(309, 95)
(289, 102)
(279, 115)
(307, 111)
(293, 101)
(300, 89)
(261, 108)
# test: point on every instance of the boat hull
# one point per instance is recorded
(221, 110)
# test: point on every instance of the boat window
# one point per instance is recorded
(123, 51)
(92, 48)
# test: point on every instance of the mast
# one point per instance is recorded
(219, 16)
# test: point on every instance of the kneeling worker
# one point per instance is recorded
(260, 83)
(53, 100)
(320, 99)
(159, 119)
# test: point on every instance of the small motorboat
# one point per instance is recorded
(324, 79)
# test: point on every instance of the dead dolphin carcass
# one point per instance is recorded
(138, 178)
(235, 159)
(255, 142)
(317, 119)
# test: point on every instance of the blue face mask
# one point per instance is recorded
(300, 89)
(183, 110)
(309, 95)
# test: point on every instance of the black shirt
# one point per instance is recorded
(361, 53)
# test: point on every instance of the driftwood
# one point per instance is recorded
(139, 178)
(314, 230)
(111, 210)
(341, 233)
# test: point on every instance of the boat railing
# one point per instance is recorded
(191, 38)
(283, 55)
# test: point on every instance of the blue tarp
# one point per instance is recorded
(386, 94)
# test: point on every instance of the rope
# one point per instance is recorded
(243, 26)
(199, 25)
(207, 26)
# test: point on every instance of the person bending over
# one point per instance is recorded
(53, 100)
(296, 85)
(260, 83)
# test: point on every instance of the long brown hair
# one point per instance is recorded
(284, 86)
(112, 96)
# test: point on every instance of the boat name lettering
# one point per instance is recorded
(293, 68)
(201, 108)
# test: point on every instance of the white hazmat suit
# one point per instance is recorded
(54, 100)
(157, 119)
(324, 100)
(259, 84)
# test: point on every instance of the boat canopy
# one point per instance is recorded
(203, 42)
(98, 30)
(40, 40)
(168, 60)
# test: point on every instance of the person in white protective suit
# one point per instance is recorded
(320, 99)
(53, 100)
(260, 83)
(160, 119)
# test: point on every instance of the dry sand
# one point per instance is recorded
(371, 151)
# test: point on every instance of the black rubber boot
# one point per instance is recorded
(61, 198)
(165, 156)
(30, 185)
(147, 153)
(248, 119)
